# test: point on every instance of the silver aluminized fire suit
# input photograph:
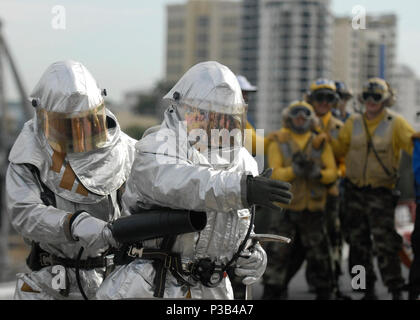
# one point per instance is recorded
(169, 171)
(90, 181)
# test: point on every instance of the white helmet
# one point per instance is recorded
(70, 109)
(245, 84)
(209, 99)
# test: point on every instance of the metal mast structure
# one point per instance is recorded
(6, 140)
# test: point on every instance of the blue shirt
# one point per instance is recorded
(416, 168)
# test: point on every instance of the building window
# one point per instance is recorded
(203, 21)
(201, 54)
(202, 37)
(172, 24)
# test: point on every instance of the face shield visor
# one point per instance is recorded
(74, 132)
(214, 130)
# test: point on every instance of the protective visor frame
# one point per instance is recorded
(227, 128)
(74, 132)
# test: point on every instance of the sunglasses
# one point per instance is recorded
(295, 112)
(327, 97)
(344, 96)
(376, 97)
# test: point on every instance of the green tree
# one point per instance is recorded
(149, 101)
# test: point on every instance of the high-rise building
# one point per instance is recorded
(347, 53)
(407, 91)
(379, 47)
(295, 47)
(360, 54)
(249, 49)
(202, 30)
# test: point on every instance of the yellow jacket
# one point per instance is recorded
(331, 126)
(282, 169)
(252, 140)
(400, 139)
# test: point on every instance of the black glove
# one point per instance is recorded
(298, 169)
(263, 191)
(314, 172)
(300, 165)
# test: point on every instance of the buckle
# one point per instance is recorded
(134, 251)
(109, 264)
(209, 273)
(45, 259)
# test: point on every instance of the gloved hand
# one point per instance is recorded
(300, 165)
(314, 171)
(298, 169)
(265, 192)
(251, 264)
(93, 234)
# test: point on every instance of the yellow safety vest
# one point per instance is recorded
(362, 167)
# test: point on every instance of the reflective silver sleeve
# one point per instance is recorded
(182, 185)
(28, 214)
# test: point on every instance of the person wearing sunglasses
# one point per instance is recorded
(371, 141)
(324, 98)
(300, 156)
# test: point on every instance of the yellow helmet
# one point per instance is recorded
(379, 91)
(322, 84)
(322, 89)
(295, 109)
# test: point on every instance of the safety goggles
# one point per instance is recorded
(345, 96)
(375, 97)
(300, 111)
(328, 97)
(79, 132)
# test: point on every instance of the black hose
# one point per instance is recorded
(79, 284)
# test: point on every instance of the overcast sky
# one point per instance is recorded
(123, 42)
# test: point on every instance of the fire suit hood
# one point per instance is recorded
(209, 86)
(67, 87)
(101, 171)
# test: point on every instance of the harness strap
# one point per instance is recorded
(162, 261)
(40, 258)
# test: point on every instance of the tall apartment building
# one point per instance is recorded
(379, 47)
(202, 30)
(360, 54)
(406, 85)
(347, 55)
(295, 47)
(250, 21)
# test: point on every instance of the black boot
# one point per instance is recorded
(323, 294)
(370, 294)
(274, 292)
(397, 295)
(413, 295)
(341, 296)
